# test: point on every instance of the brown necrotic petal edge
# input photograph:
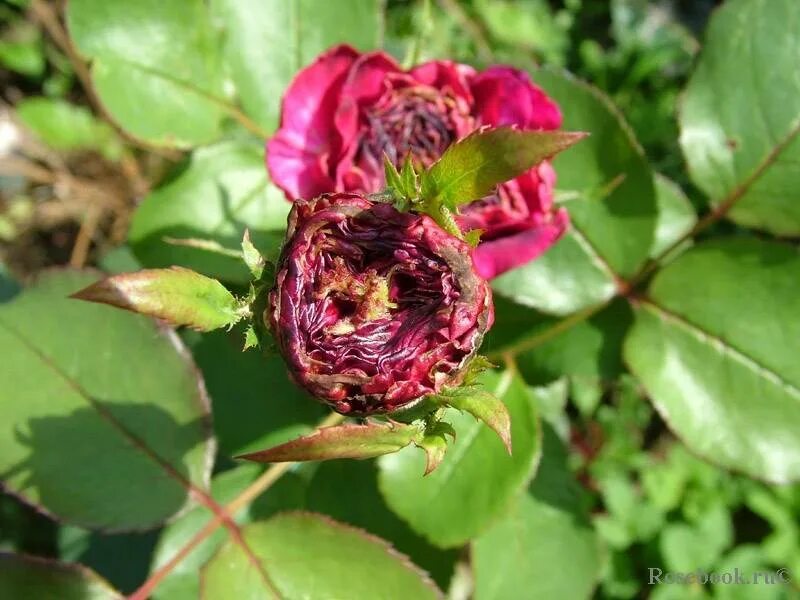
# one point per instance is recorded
(374, 309)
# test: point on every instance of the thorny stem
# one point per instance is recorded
(255, 489)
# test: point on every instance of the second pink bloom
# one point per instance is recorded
(341, 113)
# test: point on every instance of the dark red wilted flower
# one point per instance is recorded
(346, 109)
(374, 308)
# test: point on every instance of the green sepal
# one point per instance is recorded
(252, 257)
(482, 405)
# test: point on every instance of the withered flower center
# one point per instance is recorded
(414, 120)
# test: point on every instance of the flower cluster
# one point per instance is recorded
(344, 111)
(373, 308)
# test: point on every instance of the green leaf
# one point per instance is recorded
(483, 406)
(613, 212)
(178, 296)
(471, 168)
(155, 66)
(347, 490)
(715, 348)
(676, 215)
(268, 41)
(545, 544)
(21, 49)
(31, 577)
(66, 126)
(107, 420)
(303, 555)
(687, 547)
(255, 403)
(477, 478)
(222, 191)
(183, 581)
(342, 441)
(570, 276)
(738, 131)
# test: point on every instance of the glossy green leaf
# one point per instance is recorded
(177, 295)
(570, 276)
(676, 215)
(471, 168)
(477, 478)
(268, 41)
(255, 403)
(544, 547)
(155, 66)
(26, 577)
(347, 490)
(716, 346)
(65, 126)
(349, 440)
(183, 581)
(739, 130)
(222, 191)
(303, 555)
(107, 420)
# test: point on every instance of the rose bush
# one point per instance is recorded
(344, 111)
(373, 308)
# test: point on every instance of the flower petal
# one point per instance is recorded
(495, 257)
(297, 155)
(507, 96)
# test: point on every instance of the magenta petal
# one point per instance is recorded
(507, 96)
(495, 257)
(295, 153)
(299, 173)
(443, 74)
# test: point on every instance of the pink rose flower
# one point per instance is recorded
(342, 112)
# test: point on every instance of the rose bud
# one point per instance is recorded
(346, 110)
(373, 309)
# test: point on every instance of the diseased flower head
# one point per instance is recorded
(372, 308)
(343, 112)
